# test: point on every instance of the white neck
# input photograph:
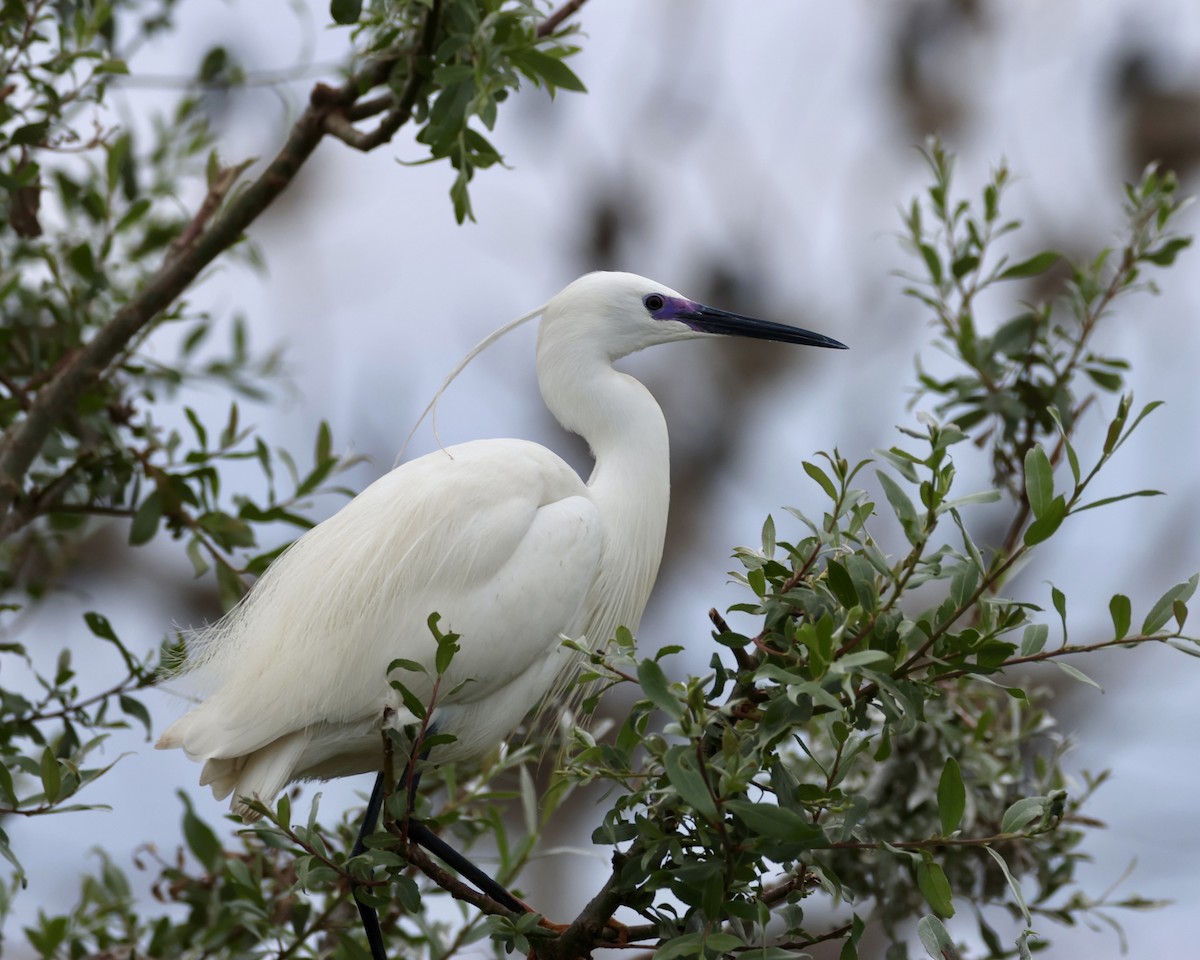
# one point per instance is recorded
(630, 484)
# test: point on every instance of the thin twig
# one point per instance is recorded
(552, 22)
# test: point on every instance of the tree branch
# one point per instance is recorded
(329, 112)
(23, 441)
(554, 21)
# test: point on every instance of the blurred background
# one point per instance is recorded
(754, 157)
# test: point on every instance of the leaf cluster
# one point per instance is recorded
(472, 56)
(875, 751)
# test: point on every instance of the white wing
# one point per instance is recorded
(497, 536)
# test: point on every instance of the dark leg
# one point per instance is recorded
(422, 836)
(370, 919)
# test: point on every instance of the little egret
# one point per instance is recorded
(500, 537)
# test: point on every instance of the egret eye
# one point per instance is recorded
(653, 302)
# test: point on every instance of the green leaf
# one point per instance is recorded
(100, 627)
(8, 792)
(1039, 480)
(1165, 254)
(447, 647)
(1105, 379)
(1059, 599)
(541, 66)
(936, 940)
(655, 685)
(1079, 675)
(689, 945)
(7, 853)
(345, 11)
(952, 797)
(1012, 885)
(146, 519)
(1162, 610)
(932, 262)
(935, 887)
(324, 451)
(821, 478)
(1117, 499)
(1043, 528)
(137, 710)
(1016, 337)
(903, 507)
(229, 586)
(30, 134)
(1039, 263)
(200, 838)
(1122, 615)
(51, 775)
(841, 585)
(775, 823)
(82, 261)
(412, 703)
(1034, 639)
(683, 772)
(964, 265)
(1022, 813)
(768, 536)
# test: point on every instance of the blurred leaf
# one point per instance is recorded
(1039, 263)
(541, 66)
(951, 796)
(200, 837)
(146, 519)
(345, 11)
(51, 776)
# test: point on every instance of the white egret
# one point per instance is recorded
(500, 537)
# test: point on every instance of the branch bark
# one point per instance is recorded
(329, 112)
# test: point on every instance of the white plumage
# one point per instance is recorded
(499, 537)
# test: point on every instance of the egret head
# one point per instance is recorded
(618, 314)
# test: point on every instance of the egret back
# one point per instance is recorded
(499, 537)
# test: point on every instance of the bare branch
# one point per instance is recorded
(554, 21)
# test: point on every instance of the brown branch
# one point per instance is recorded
(337, 124)
(588, 930)
(372, 106)
(134, 682)
(217, 190)
(1066, 651)
(329, 112)
(180, 267)
(552, 22)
